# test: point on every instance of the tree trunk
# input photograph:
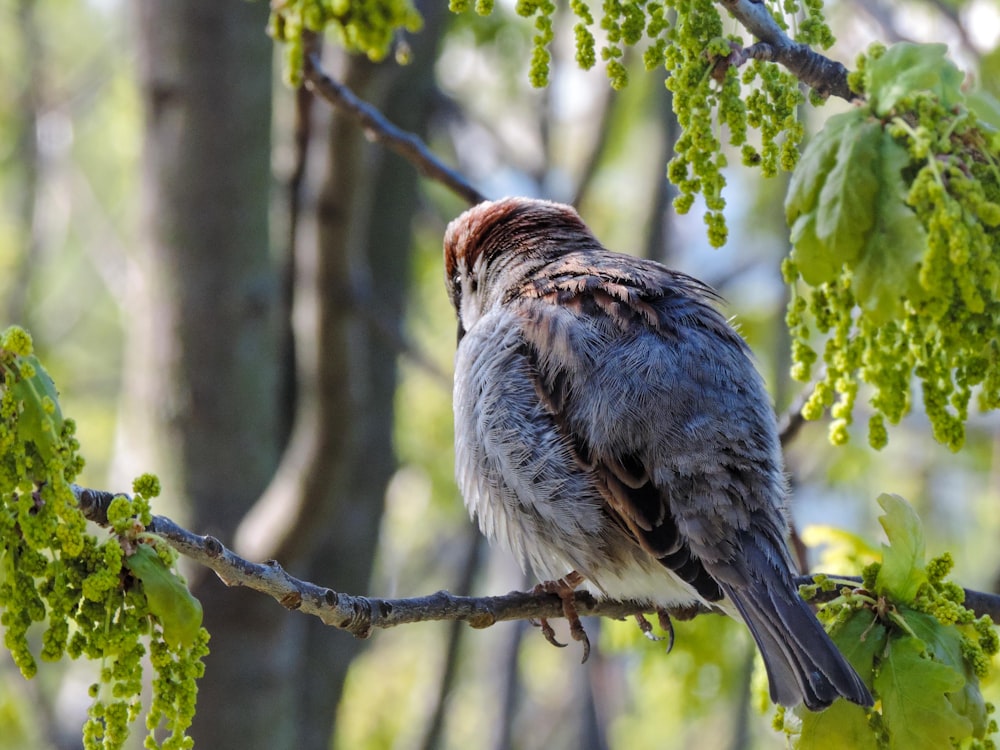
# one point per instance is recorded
(199, 401)
(353, 266)
(202, 386)
(380, 277)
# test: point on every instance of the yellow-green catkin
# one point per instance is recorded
(72, 585)
(945, 335)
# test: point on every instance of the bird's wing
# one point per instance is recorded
(659, 400)
(631, 315)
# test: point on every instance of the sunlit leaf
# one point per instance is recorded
(908, 68)
(902, 570)
(914, 691)
(838, 547)
(843, 726)
(178, 611)
(944, 642)
(40, 420)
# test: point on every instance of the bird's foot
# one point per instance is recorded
(564, 588)
(666, 625)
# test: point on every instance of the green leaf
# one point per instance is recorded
(846, 211)
(985, 106)
(178, 611)
(902, 571)
(861, 639)
(40, 420)
(843, 726)
(815, 263)
(914, 691)
(907, 69)
(832, 196)
(944, 643)
(888, 267)
(816, 161)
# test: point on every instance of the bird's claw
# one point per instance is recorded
(646, 627)
(548, 632)
(578, 633)
(666, 624)
(564, 588)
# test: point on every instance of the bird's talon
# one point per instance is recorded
(645, 627)
(577, 631)
(667, 626)
(563, 588)
(582, 637)
(548, 632)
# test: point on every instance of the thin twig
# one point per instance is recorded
(360, 615)
(379, 129)
(826, 76)
(792, 420)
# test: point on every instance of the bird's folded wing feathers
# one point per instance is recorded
(632, 500)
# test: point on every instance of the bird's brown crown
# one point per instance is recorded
(493, 228)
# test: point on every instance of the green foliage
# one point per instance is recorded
(895, 219)
(695, 685)
(365, 26)
(918, 648)
(686, 36)
(169, 600)
(900, 575)
(93, 597)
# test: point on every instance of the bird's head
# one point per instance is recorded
(495, 245)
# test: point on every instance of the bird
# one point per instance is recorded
(613, 433)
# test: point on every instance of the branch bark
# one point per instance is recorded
(360, 615)
(411, 147)
(826, 76)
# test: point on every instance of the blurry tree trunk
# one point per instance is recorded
(23, 160)
(366, 207)
(322, 511)
(202, 383)
(661, 239)
(199, 400)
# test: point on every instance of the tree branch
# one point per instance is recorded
(791, 422)
(380, 130)
(824, 75)
(360, 615)
(821, 73)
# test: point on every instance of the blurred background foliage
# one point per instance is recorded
(81, 109)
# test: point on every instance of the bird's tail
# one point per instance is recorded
(803, 665)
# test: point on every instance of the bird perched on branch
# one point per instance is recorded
(611, 431)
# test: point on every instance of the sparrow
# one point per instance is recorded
(611, 431)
